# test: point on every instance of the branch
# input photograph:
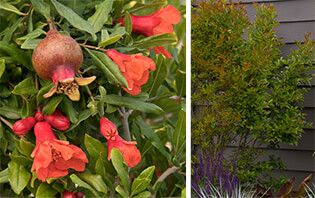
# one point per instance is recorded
(124, 119)
(167, 173)
(92, 47)
(6, 122)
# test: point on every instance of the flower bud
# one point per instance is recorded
(43, 132)
(39, 116)
(79, 195)
(59, 122)
(23, 126)
(67, 194)
(57, 112)
(108, 129)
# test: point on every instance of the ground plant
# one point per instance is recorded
(244, 93)
(92, 98)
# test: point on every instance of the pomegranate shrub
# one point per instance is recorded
(92, 98)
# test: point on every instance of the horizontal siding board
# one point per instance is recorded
(309, 98)
(291, 32)
(289, 11)
(310, 116)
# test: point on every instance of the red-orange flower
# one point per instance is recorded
(129, 150)
(135, 69)
(52, 157)
(159, 22)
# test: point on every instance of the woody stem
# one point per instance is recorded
(124, 119)
(6, 122)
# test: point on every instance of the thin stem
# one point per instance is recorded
(124, 119)
(6, 122)
(36, 81)
(92, 47)
(51, 24)
(167, 173)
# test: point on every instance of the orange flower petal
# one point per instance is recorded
(169, 14)
(162, 50)
(65, 150)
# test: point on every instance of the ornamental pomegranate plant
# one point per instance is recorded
(92, 98)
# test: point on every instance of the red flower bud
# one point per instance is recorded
(79, 195)
(43, 132)
(67, 194)
(108, 129)
(59, 122)
(39, 116)
(57, 112)
(23, 126)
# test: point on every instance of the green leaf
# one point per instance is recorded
(152, 137)
(74, 19)
(4, 176)
(183, 194)
(104, 35)
(82, 116)
(156, 40)
(158, 76)
(117, 160)
(99, 167)
(102, 91)
(41, 7)
(142, 181)
(133, 103)
(143, 9)
(26, 147)
(25, 87)
(2, 67)
(30, 43)
(95, 181)
(51, 106)
(40, 95)
(96, 107)
(20, 159)
(122, 192)
(34, 34)
(10, 112)
(180, 131)
(19, 177)
(44, 190)
(75, 179)
(7, 37)
(93, 146)
(68, 108)
(101, 15)
(128, 23)
(144, 194)
(180, 78)
(109, 41)
(19, 56)
(110, 69)
(10, 8)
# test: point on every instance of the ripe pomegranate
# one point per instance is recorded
(67, 194)
(58, 57)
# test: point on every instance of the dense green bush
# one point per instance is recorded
(154, 119)
(246, 93)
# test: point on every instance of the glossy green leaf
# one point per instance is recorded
(68, 108)
(142, 181)
(7, 37)
(25, 87)
(74, 19)
(41, 7)
(143, 9)
(152, 137)
(5, 92)
(121, 191)
(45, 190)
(101, 15)
(51, 106)
(180, 78)
(93, 146)
(82, 116)
(110, 69)
(95, 181)
(96, 107)
(75, 179)
(100, 167)
(26, 147)
(179, 134)
(133, 103)
(128, 23)
(10, 112)
(10, 8)
(156, 40)
(117, 160)
(144, 194)
(4, 176)
(40, 95)
(19, 56)
(25, 111)
(158, 76)
(109, 41)
(104, 35)
(30, 43)
(21, 160)
(2, 67)
(19, 177)
(183, 194)
(32, 35)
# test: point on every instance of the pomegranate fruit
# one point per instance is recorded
(57, 58)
